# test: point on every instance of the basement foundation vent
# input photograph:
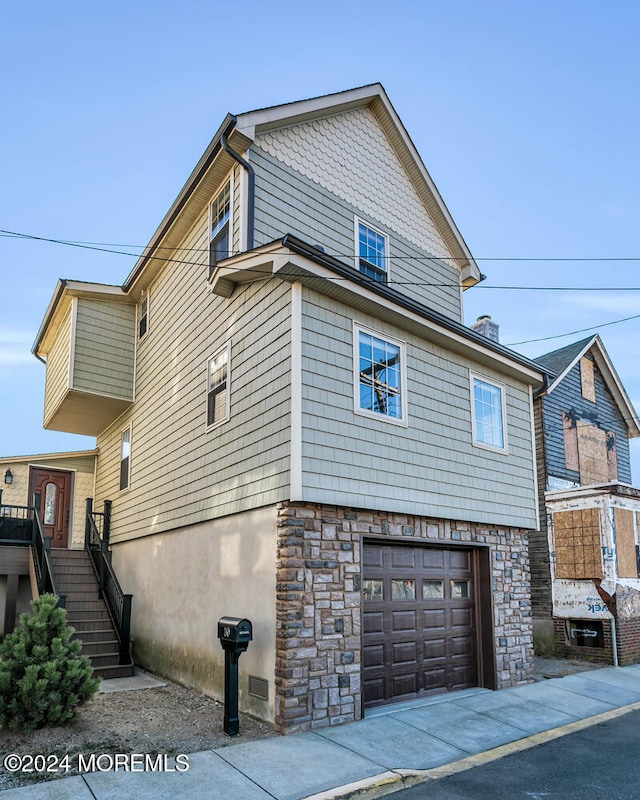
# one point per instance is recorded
(258, 687)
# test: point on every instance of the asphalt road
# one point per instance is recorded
(599, 763)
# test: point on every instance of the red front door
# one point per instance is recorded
(53, 487)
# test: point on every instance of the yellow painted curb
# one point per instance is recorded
(376, 786)
(394, 780)
(516, 747)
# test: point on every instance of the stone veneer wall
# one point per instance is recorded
(318, 605)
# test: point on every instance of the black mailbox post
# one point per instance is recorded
(234, 634)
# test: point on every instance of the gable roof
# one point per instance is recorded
(563, 360)
(240, 131)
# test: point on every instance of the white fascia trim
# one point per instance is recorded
(72, 342)
(322, 272)
(564, 374)
(287, 114)
(295, 465)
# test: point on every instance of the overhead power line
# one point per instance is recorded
(106, 247)
(573, 333)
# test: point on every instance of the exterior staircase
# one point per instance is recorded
(87, 612)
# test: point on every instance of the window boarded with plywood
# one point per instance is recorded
(577, 540)
(625, 543)
(587, 379)
(592, 454)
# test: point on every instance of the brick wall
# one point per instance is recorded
(318, 605)
(628, 634)
(597, 655)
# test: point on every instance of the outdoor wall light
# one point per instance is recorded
(8, 476)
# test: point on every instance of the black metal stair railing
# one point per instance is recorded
(22, 526)
(96, 542)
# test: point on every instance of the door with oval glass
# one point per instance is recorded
(51, 490)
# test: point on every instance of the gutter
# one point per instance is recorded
(193, 180)
(251, 187)
(393, 295)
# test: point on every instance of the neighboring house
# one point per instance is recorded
(294, 426)
(584, 560)
(62, 482)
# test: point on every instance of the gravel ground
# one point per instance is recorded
(168, 719)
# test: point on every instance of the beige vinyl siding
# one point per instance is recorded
(289, 202)
(104, 348)
(181, 473)
(57, 374)
(430, 467)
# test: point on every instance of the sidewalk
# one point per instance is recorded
(390, 749)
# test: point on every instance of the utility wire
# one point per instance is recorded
(573, 333)
(110, 248)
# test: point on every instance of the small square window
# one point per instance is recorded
(125, 458)
(218, 387)
(372, 249)
(220, 227)
(432, 590)
(402, 589)
(373, 589)
(488, 414)
(380, 376)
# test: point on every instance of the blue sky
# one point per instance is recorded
(526, 116)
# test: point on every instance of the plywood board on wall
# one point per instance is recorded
(592, 453)
(577, 544)
(587, 379)
(625, 543)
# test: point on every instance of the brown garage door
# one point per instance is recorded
(419, 629)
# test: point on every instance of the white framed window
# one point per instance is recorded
(218, 382)
(125, 458)
(488, 413)
(372, 251)
(220, 226)
(143, 315)
(379, 375)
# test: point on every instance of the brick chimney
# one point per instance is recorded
(486, 327)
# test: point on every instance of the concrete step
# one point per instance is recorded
(120, 671)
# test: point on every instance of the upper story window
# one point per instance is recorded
(372, 248)
(143, 315)
(488, 413)
(220, 226)
(218, 396)
(125, 458)
(379, 376)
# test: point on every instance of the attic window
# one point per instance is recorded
(372, 248)
(220, 226)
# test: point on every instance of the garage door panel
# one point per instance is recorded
(435, 680)
(461, 617)
(373, 622)
(459, 560)
(419, 634)
(404, 653)
(403, 621)
(432, 560)
(373, 556)
(434, 619)
(373, 655)
(374, 689)
(461, 646)
(404, 685)
(403, 558)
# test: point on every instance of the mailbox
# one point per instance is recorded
(235, 633)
